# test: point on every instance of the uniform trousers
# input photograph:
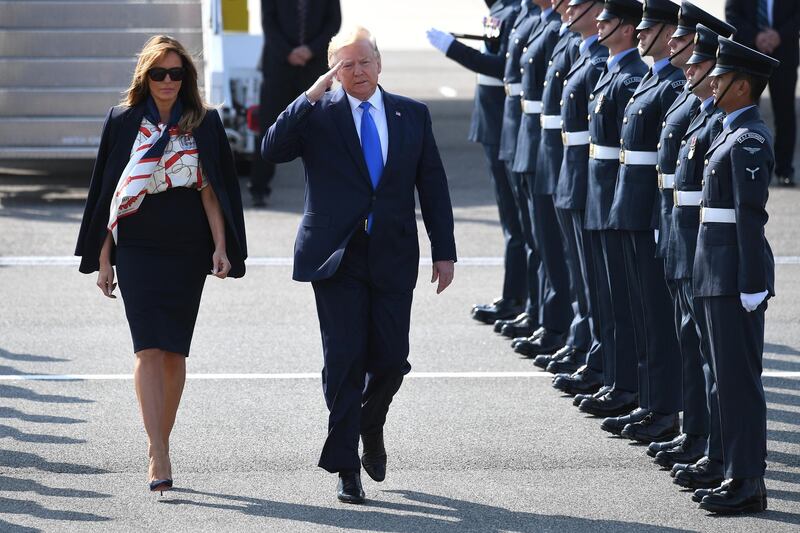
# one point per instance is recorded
(782, 87)
(736, 340)
(536, 281)
(365, 346)
(658, 354)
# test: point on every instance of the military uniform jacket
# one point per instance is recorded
(533, 67)
(551, 150)
(636, 195)
(578, 85)
(685, 219)
(527, 22)
(736, 258)
(487, 112)
(606, 108)
(673, 127)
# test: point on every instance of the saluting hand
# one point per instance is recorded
(322, 84)
(444, 271)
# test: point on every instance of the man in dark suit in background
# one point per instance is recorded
(296, 35)
(772, 28)
(365, 151)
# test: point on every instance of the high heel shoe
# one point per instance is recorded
(160, 485)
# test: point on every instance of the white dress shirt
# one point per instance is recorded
(378, 114)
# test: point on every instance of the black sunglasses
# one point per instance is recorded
(158, 73)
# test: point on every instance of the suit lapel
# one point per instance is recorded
(646, 85)
(395, 124)
(343, 118)
(677, 103)
(576, 66)
(129, 129)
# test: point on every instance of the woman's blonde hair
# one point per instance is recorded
(194, 108)
(348, 37)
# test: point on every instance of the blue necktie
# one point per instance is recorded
(762, 14)
(371, 146)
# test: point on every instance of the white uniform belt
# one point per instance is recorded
(687, 198)
(716, 214)
(513, 89)
(531, 107)
(633, 157)
(666, 181)
(575, 138)
(489, 81)
(597, 151)
(550, 122)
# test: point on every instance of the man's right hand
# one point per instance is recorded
(323, 83)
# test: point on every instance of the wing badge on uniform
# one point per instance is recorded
(751, 150)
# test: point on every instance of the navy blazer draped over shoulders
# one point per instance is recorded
(119, 133)
(339, 194)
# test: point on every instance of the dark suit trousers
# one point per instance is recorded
(658, 354)
(535, 278)
(282, 84)
(556, 308)
(365, 345)
(782, 86)
(736, 338)
(576, 245)
(515, 284)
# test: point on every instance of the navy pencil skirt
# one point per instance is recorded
(163, 256)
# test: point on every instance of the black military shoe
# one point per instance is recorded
(374, 457)
(692, 449)
(542, 360)
(500, 309)
(704, 474)
(521, 340)
(654, 447)
(582, 381)
(653, 428)
(612, 403)
(616, 424)
(350, 489)
(677, 467)
(741, 496)
(547, 342)
(576, 401)
(699, 494)
(568, 363)
(498, 324)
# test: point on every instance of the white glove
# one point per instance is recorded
(441, 40)
(655, 233)
(750, 302)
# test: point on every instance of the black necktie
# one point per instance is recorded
(302, 9)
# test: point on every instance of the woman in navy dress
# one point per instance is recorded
(164, 206)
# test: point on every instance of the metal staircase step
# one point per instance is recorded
(81, 14)
(88, 43)
(50, 131)
(57, 101)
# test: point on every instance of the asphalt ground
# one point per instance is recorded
(477, 438)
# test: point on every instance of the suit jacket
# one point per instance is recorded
(736, 258)
(743, 14)
(281, 24)
(339, 194)
(674, 126)
(636, 197)
(578, 85)
(551, 149)
(487, 112)
(685, 219)
(119, 133)
(606, 109)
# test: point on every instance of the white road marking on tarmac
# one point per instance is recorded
(448, 92)
(67, 260)
(309, 375)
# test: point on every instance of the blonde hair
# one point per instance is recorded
(348, 37)
(158, 46)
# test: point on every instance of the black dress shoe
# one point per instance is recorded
(350, 489)
(500, 309)
(704, 474)
(613, 403)
(544, 359)
(677, 467)
(741, 496)
(653, 428)
(533, 336)
(374, 457)
(582, 381)
(616, 424)
(690, 450)
(522, 328)
(654, 447)
(576, 401)
(568, 363)
(498, 324)
(548, 342)
(699, 494)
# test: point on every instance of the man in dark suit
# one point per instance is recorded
(772, 27)
(365, 151)
(296, 34)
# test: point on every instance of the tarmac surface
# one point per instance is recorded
(477, 438)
